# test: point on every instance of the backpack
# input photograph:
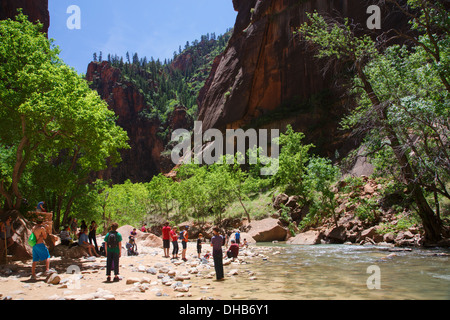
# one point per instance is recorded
(181, 235)
(32, 240)
(113, 241)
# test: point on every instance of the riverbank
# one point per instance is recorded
(148, 276)
(268, 271)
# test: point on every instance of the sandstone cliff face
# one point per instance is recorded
(265, 67)
(146, 157)
(34, 9)
(141, 162)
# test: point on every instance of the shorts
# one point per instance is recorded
(40, 253)
(184, 244)
(166, 244)
(199, 249)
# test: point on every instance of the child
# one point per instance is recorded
(131, 247)
(133, 233)
(199, 245)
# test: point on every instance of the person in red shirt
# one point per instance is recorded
(233, 250)
(166, 239)
(184, 241)
(174, 237)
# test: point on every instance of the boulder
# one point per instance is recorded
(306, 238)
(389, 237)
(126, 230)
(70, 253)
(267, 230)
(244, 235)
(372, 234)
(368, 233)
(280, 199)
(292, 202)
(337, 234)
(151, 240)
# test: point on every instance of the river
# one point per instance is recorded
(329, 272)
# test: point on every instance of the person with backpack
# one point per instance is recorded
(40, 251)
(113, 252)
(184, 240)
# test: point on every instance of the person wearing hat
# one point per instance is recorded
(184, 240)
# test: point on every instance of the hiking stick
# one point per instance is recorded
(6, 248)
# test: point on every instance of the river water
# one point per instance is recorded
(329, 272)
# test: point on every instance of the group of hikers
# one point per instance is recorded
(112, 246)
(171, 235)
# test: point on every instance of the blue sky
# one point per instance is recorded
(152, 28)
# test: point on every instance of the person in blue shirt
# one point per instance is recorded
(40, 207)
(237, 237)
(83, 241)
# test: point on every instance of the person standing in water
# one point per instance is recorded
(217, 242)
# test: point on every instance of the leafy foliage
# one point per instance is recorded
(403, 99)
(55, 130)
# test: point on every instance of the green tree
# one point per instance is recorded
(394, 96)
(126, 203)
(48, 114)
(160, 188)
(321, 175)
(293, 159)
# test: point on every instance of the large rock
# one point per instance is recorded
(70, 253)
(306, 238)
(35, 10)
(244, 235)
(371, 233)
(142, 238)
(151, 240)
(279, 200)
(337, 234)
(267, 230)
(266, 70)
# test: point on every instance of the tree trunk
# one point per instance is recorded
(245, 210)
(431, 224)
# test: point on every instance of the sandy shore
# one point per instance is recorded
(148, 276)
